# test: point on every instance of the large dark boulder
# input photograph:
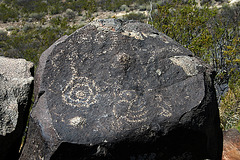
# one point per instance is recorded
(122, 90)
(16, 85)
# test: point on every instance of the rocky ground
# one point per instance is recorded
(79, 20)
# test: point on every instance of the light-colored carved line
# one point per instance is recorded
(71, 88)
(165, 112)
(138, 107)
(135, 113)
(137, 116)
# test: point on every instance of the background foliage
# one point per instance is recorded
(210, 33)
(213, 35)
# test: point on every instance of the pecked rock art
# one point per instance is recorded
(112, 83)
(79, 92)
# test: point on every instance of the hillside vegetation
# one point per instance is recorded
(30, 26)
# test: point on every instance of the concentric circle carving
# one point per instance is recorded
(80, 92)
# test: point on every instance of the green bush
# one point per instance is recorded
(230, 108)
(54, 10)
(142, 8)
(90, 7)
(56, 21)
(213, 35)
(37, 16)
(31, 41)
(69, 14)
(124, 8)
(27, 27)
(3, 35)
(10, 28)
(135, 16)
(7, 13)
(32, 6)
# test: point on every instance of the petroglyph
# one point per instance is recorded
(80, 92)
(163, 106)
(90, 91)
(130, 108)
(165, 111)
(172, 48)
(83, 92)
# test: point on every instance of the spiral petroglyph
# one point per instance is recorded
(80, 92)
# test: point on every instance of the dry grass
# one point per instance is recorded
(230, 108)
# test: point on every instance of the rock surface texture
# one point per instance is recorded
(231, 145)
(16, 85)
(122, 90)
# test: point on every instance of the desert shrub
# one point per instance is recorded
(27, 27)
(79, 5)
(31, 6)
(90, 8)
(142, 8)
(113, 5)
(124, 8)
(69, 14)
(230, 108)
(37, 16)
(23, 1)
(134, 16)
(56, 21)
(185, 23)
(31, 41)
(7, 13)
(54, 10)
(154, 5)
(10, 28)
(213, 35)
(3, 35)
(56, 6)
(3, 38)
(230, 14)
